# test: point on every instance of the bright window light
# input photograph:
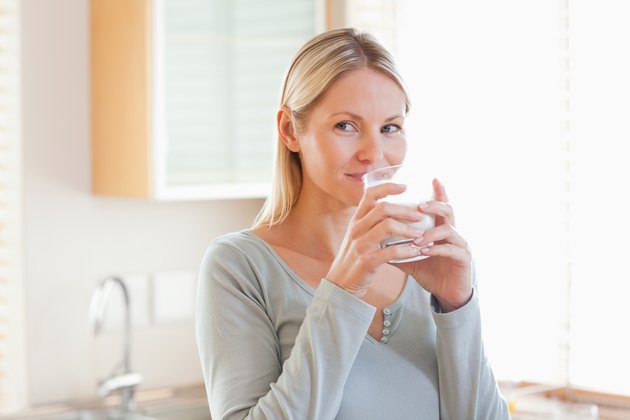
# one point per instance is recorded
(522, 109)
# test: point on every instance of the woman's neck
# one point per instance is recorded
(316, 229)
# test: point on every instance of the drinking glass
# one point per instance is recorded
(418, 191)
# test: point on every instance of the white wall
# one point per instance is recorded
(73, 239)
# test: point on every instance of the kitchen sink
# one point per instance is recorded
(184, 403)
(103, 415)
(188, 413)
(183, 413)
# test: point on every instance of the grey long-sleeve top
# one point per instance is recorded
(272, 347)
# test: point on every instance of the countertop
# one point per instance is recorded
(183, 403)
(190, 403)
(533, 402)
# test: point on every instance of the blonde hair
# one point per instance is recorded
(321, 61)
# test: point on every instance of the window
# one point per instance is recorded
(221, 64)
(521, 109)
(599, 117)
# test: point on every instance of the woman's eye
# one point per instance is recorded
(390, 128)
(344, 126)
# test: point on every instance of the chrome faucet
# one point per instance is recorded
(125, 381)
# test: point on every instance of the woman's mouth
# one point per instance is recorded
(357, 176)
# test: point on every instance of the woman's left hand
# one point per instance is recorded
(447, 274)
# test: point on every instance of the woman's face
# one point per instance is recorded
(357, 126)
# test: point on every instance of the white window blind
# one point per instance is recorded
(487, 120)
(599, 68)
(223, 64)
(522, 109)
(11, 349)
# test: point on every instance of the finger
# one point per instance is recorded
(373, 194)
(372, 260)
(384, 210)
(388, 228)
(442, 211)
(440, 195)
(440, 191)
(448, 251)
(442, 234)
(399, 252)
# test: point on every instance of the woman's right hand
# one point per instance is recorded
(360, 253)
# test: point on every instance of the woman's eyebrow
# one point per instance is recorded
(350, 114)
(358, 117)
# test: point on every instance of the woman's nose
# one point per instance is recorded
(370, 149)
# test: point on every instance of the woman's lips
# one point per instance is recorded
(357, 176)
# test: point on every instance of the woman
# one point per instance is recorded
(302, 316)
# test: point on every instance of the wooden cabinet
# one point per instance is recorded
(184, 93)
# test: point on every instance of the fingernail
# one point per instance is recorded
(423, 205)
(424, 250)
(418, 240)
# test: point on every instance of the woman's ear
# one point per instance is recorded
(285, 129)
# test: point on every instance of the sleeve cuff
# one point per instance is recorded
(330, 291)
(459, 317)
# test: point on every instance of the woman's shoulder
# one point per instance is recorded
(236, 244)
(239, 238)
(242, 251)
(236, 258)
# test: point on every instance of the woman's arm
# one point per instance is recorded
(240, 353)
(468, 389)
(467, 386)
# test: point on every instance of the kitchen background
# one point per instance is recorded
(72, 238)
(521, 107)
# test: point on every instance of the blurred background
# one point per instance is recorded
(133, 132)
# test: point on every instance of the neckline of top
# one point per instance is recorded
(392, 308)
